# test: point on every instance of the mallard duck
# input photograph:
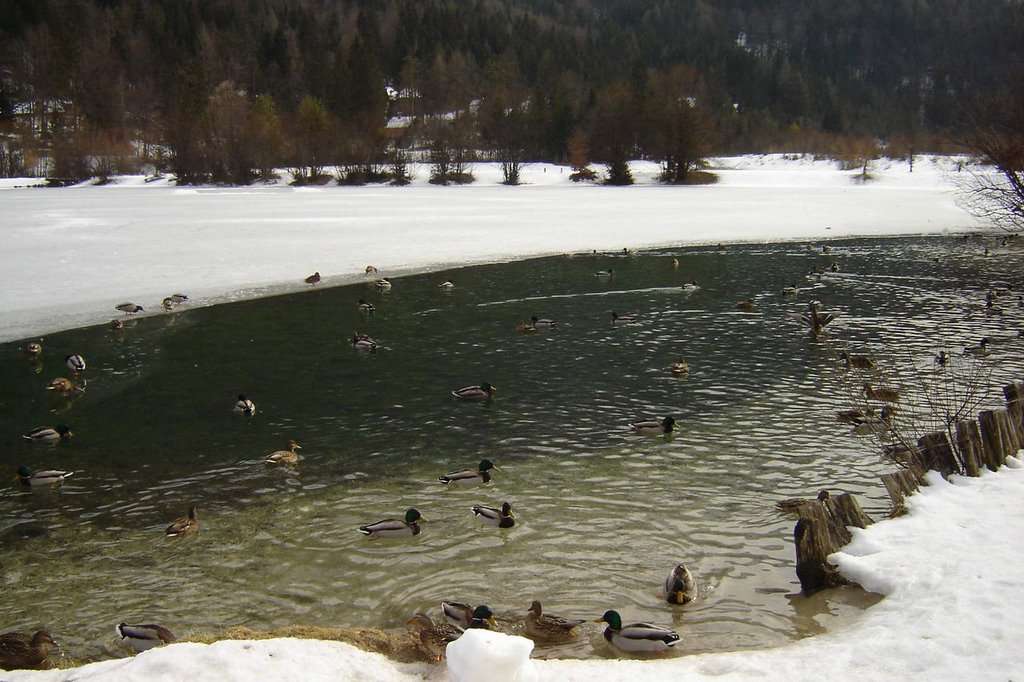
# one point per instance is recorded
(46, 435)
(384, 283)
(393, 528)
(185, 524)
(605, 274)
(483, 618)
(623, 319)
(636, 636)
(116, 326)
(468, 477)
(48, 477)
(747, 305)
(502, 518)
(872, 423)
(313, 279)
(851, 416)
(143, 637)
(794, 504)
(363, 342)
(654, 427)
(245, 406)
(885, 395)
(129, 308)
(538, 625)
(24, 652)
(978, 350)
(690, 286)
(367, 308)
(76, 363)
(814, 318)
(457, 613)
(482, 392)
(285, 457)
(370, 270)
(435, 637)
(61, 385)
(857, 361)
(34, 349)
(790, 291)
(525, 328)
(942, 358)
(680, 587)
(447, 284)
(680, 367)
(675, 262)
(542, 322)
(168, 304)
(178, 299)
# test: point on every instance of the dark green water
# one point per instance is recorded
(603, 514)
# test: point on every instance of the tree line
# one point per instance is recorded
(227, 90)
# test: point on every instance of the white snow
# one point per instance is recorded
(949, 570)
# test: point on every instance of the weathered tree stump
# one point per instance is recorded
(968, 442)
(823, 530)
(1014, 394)
(938, 453)
(900, 485)
(992, 437)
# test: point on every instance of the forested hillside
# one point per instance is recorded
(305, 79)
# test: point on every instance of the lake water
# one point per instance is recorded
(603, 514)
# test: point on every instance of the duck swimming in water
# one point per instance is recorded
(680, 587)
(144, 637)
(76, 363)
(502, 518)
(457, 613)
(46, 435)
(245, 406)
(547, 628)
(623, 319)
(394, 528)
(285, 457)
(185, 524)
(363, 342)
(814, 318)
(654, 427)
(482, 392)
(469, 477)
(366, 308)
(636, 636)
(47, 477)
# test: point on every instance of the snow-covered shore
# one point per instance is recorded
(949, 570)
(71, 254)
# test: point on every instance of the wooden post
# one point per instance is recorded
(992, 438)
(1011, 435)
(900, 485)
(938, 453)
(1014, 394)
(968, 442)
(816, 539)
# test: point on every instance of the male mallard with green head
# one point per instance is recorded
(24, 652)
(143, 637)
(541, 626)
(502, 518)
(482, 392)
(76, 363)
(245, 406)
(483, 618)
(29, 477)
(46, 435)
(468, 477)
(654, 427)
(636, 636)
(435, 637)
(680, 587)
(129, 308)
(457, 613)
(185, 524)
(394, 528)
(285, 457)
(539, 322)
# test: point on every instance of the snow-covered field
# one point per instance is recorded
(949, 570)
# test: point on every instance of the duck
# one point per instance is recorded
(435, 637)
(384, 284)
(47, 435)
(116, 325)
(363, 342)
(313, 279)
(675, 262)
(502, 518)
(680, 588)
(941, 358)
(63, 386)
(636, 636)
(857, 361)
(178, 299)
(814, 318)
(539, 322)
(978, 350)
(540, 626)
(872, 423)
(185, 524)
(76, 363)
(482, 392)
(22, 652)
(129, 308)
(34, 349)
(654, 427)
(525, 328)
(457, 613)
(790, 291)
(885, 395)
(394, 528)
(29, 477)
(605, 274)
(852, 416)
(143, 637)
(168, 304)
(469, 477)
(367, 308)
(482, 619)
(447, 284)
(690, 286)
(747, 305)
(245, 406)
(680, 367)
(623, 319)
(370, 270)
(285, 457)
